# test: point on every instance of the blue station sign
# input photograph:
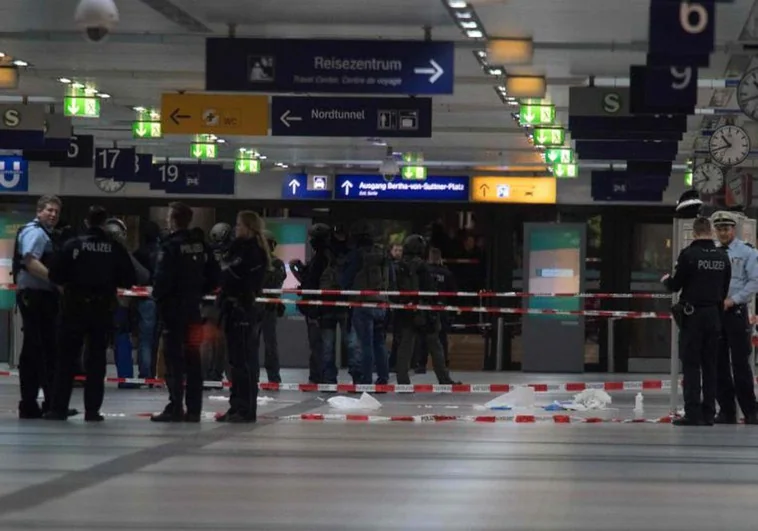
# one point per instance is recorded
(376, 187)
(299, 186)
(382, 117)
(14, 174)
(329, 66)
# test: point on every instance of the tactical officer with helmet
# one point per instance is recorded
(413, 275)
(367, 268)
(309, 276)
(735, 376)
(215, 362)
(273, 279)
(90, 268)
(702, 274)
(184, 273)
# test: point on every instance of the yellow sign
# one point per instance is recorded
(214, 114)
(540, 190)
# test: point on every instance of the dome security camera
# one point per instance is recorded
(97, 18)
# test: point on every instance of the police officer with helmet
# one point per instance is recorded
(274, 279)
(90, 268)
(413, 275)
(184, 273)
(215, 362)
(735, 376)
(702, 274)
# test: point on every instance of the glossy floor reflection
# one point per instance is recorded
(129, 474)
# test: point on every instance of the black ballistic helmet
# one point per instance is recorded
(414, 245)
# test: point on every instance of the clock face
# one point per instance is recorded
(109, 186)
(729, 145)
(747, 94)
(707, 178)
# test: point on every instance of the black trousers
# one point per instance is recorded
(267, 330)
(698, 347)
(315, 345)
(241, 327)
(182, 336)
(421, 354)
(82, 318)
(735, 377)
(39, 314)
(409, 331)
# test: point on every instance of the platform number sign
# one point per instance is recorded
(681, 32)
(79, 154)
(164, 174)
(115, 163)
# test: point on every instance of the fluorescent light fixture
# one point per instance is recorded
(474, 34)
(526, 86)
(262, 157)
(19, 62)
(77, 85)
(457, 4)
(2, 54)
(64, 80)
(469, 24)
(510, 51)
(464, 15)
(139, 109)
(495, 71)
(104, 96)
(220, 141)
(481, 53)
(89, 91)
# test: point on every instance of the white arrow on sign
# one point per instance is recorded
(435, 72)
(294, 185)
(286, 118)
(347, 185)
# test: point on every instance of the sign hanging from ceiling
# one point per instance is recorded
(376, 187)
(532, 190)
(382, 117)
(329, 66)
(302, 186)
(214, 114)
(14, 174)
(22, 126)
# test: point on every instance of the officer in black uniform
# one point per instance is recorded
(243, 268)
(443, 281)
(309, 276)
(90, 268)
(274, 279)
(702, 274)
(184, 273)
(413, 275)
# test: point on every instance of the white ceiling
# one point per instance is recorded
(150, 54)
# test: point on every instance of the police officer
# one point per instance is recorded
(413, 275)
(736, 378)
(90, 268)
(309, 276)
(184, 273)
(702, 274)
(37, 300)
(443, 281)
(274, 279)
(215, 359)
(243, 268)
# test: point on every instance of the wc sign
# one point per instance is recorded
(14, 174)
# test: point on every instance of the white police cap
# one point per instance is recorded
(724, 218)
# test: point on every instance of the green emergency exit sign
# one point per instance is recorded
(144, 129)
(247, 166)
(204, 151)
(549, 136)
(559, 156)
(81, 106)
(566, 171)
(413, 173)
(543, 114)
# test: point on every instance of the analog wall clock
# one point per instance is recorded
(729, 145)
(707, 178)
(747, 94)
(109, 185)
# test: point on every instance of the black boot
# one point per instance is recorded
(723, 418)
(689, 421)
(170, 414)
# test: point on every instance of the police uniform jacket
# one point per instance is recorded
(93, 264)
(744, 282)
(702, 274)
(185, 270)
(243, 270)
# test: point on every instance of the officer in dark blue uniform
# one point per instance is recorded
(702, 274)
(243, 269)
(184, 273)
(90, 268)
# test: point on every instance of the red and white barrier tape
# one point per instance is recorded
(140, 291)
(482, 419)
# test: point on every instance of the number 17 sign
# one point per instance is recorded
(115, 163)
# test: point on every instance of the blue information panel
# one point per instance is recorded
(329, 66)
(211, 179)
(376, 187)
(296, 186)
(681, 33)
(663, 90)
(115, 163)
(384, 117)
(81, 150)
(14, 174)
(143, 168)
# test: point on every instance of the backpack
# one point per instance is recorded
(330, 277)
(408, 275)
(375, 271)
(276, 276)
